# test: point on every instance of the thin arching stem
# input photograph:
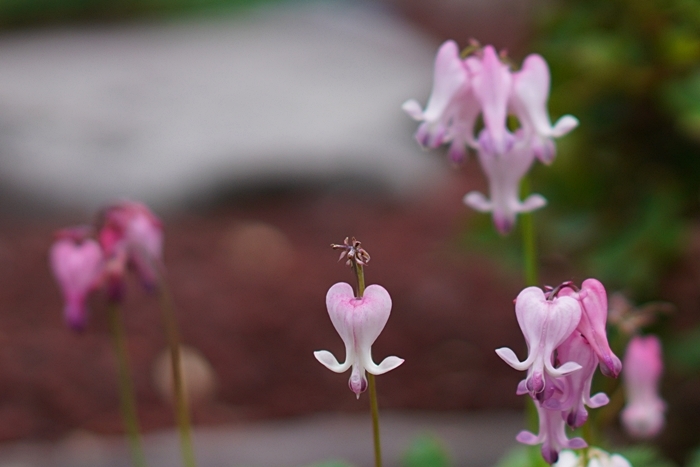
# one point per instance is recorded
(181, 409)
(126, 386)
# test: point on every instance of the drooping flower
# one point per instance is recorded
(529, 102)
(545, 325)
(131, 233)
(504, 172)
(594, 305)
(643, 416)
(452, 108)
(552, 435)
(359, 321)
(77, 266)
(492, 80)
(577, 385)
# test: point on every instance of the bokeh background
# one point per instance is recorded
(262, 131)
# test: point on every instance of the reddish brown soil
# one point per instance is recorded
(248, 278)
(258, 317)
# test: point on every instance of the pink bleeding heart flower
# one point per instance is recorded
(492, 82)
(77, 266)
(545, 325)
(359, 321)
(452, 108)
(643, 416)
(504, 172)
(529, 101)
(552, 435)
(594, 306)
(577, 393)
(132, 233)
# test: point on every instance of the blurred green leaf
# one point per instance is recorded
(332, 464)
(426, 451)
(645, 456)
(683, 352)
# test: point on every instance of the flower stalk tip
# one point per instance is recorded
(357, 258)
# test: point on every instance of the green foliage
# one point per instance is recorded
(625, 183)
(645, 456)
(694, 460)
(29, 13)
(332, 464)
(426, 451)
(684, 352)
(523, 456)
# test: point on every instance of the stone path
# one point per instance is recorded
(173, 111)
(474, 440)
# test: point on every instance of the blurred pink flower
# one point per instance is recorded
(529, 102)
(452, 108)
(77, 266)
(504, 172)
(483, 84)
(643, 416)
(359, 321)
(132, 233)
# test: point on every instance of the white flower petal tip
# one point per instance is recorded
(478, 201)
(564, 125)
(533, 202)
(413, 109)
(388, 364)
(599, 400)
(508, 356)
(527, 437)
(328, 360)
(565, 369)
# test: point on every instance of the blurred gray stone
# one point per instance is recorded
(476, 440)
(171, 111)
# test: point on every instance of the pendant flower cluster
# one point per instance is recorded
(128, 236)
(565, 333)
(482, 84)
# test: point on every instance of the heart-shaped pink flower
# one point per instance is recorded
(359, 321)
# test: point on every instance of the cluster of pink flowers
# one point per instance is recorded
(128, 235)
(482, 84)
(565, 331)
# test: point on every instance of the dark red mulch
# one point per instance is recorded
(258, 326)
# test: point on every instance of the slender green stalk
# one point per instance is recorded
(360, 275)
(374, 408)
(126, 387)
(531, 277)
(529, 243)
(181, 410)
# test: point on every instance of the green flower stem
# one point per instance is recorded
(126, 387)
(374, 408)
(181, 410)
(529, 243)
(531, 277)
(360, 275)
